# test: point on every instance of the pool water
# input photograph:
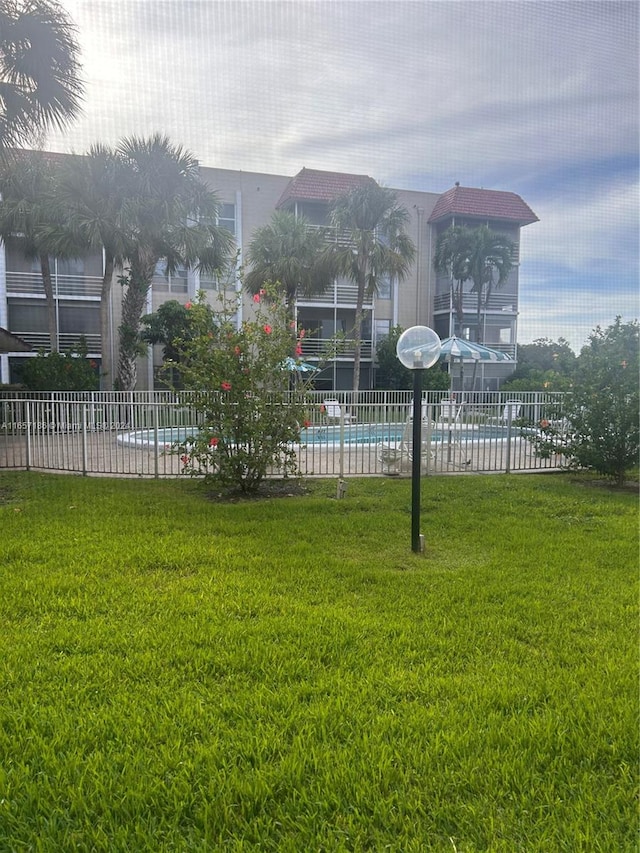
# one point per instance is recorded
(354, 434)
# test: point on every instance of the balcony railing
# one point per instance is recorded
(502, 302)
(66, 340)
(82, 286)
(341, 294)
(313, 348)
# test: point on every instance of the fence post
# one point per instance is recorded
(156, 448)
(85, 465)
(509, 421)
(28, 426)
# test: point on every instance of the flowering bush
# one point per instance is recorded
(251, 411)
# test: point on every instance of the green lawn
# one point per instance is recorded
(286, 675)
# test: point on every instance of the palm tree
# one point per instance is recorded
(490, 261)
(30, 211)
(39, 83)
(376, 245)
(289, 253)
(450, 258)
(93, 189)
(479, 255)
(172, 215)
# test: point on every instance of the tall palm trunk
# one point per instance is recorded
(52, 320)
(133, 305)
(106, 371)
(357, 333)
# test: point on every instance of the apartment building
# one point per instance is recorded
(248, 200)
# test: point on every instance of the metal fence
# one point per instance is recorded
(138, 433)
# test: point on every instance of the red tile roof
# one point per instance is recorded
(482, 204)
(315, 185)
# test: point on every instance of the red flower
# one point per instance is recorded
(267, 329)
(298, 350)
(188, 305)
(184, 459)
(256, 297)
(226, 386)
(307, 423)
(213, 442)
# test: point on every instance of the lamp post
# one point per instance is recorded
(418, 348)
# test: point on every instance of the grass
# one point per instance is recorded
(178, 673)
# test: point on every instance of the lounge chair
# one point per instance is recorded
(450, 412)
(396, 456)
(510, 413)
(334, 413)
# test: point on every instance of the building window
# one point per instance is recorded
(165, 282)
(227, 217)
(382, 329)
(385, 289)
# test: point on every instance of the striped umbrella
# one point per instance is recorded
(454, 347)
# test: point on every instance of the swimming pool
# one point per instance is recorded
(326, 436)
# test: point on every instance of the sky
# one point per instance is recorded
(539, 98)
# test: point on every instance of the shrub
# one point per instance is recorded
(602, 429)
(250, 407)
(61, 371)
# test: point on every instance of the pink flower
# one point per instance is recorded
(256, 297)
(213, 442)
(298, 350)
(226, 386)
(263, 292)
(267, 329)
(188, 305)
(302, 333)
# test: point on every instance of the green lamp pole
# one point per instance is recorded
(418, 348)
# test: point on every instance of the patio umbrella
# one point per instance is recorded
(454, 347)
(295, 364)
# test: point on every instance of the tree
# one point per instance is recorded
(479, 255)
(31, 211)
(393, 375)
(94, 190)
(544, 365)
(173, 216)
(39, 71)
(171, 325)
(450, 258)
(605, 411)
(289, 253)
(376, 245)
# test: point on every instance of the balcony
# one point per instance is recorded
(66, 340)
(67, 286)
(317, 348)
(499, 302)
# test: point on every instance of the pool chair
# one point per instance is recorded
(334, 413)
(511, 412)
(450, 412)
(397, 456)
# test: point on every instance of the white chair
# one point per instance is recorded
(334, 413)
(510, 413)
(396, 456)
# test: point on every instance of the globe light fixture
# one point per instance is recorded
(418, 348)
